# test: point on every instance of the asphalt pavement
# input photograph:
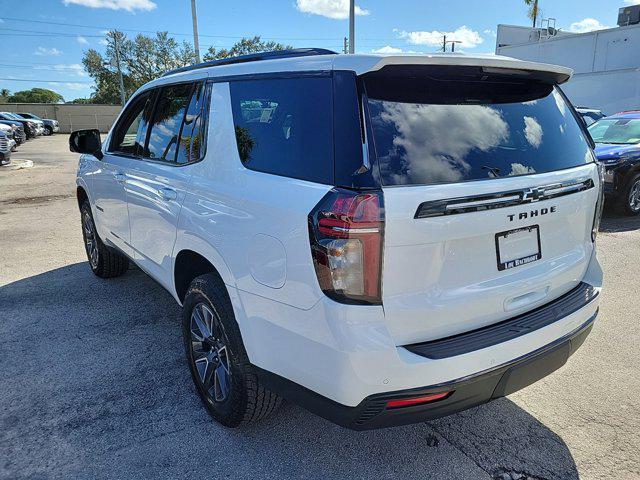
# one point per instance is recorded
(93, 383)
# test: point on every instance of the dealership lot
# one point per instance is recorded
(93, 383)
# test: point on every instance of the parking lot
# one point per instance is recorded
(93, 383)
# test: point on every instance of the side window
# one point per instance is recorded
(285, 126)
(193, 135)
(169, 113)
(130, 132)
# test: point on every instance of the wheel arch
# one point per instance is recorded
(81, 195)
(191, 262)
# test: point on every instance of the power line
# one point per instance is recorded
(95, 27)
(43, 81)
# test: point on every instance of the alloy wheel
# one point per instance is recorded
(210, 354)
(634, 196)
(90, 240)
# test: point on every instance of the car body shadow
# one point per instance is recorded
(614, 221)
(94, 384)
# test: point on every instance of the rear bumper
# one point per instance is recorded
(468, 392)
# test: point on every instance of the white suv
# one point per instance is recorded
(382, 240)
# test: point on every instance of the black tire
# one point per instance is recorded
(246, 400)
(48, 130)
(625, 198)
(105, 262)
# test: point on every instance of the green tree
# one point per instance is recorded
(36, 95)
(534, 11)
(145, 58)
(244, 47)
(4, 95)
(81, 101)
(141, 60)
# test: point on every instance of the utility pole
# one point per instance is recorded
(452, 42)
(345, 48)
(117, 49)
(352, 26)
(196, 41)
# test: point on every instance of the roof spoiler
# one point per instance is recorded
(490, 63)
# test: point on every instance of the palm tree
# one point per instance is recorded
(533, 10)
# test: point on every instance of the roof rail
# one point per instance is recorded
(254, 57)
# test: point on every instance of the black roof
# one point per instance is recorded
(254, 57)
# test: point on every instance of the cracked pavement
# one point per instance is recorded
(93, 383)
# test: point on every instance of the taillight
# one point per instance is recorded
(346, 230)
(597, 216)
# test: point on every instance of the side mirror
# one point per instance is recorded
(86, 141)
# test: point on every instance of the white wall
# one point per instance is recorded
(606, 64)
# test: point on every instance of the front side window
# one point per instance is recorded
(168, 115)
(129, 134)
(285, 127)
(623, 131)
(429, 130)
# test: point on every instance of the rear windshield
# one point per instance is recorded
(439, 130)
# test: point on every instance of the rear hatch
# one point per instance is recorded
(490, 189)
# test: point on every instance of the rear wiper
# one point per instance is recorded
(494, 172)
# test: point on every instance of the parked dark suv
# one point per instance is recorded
(50, 126)
(618, 147)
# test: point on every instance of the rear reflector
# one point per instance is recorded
(409, 402)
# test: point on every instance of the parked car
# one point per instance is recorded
(18, 131)
(5, 148)
(618, 148)
(590, 115)
(382, 240)
(50, 126)
(30, 126)
(8, 132)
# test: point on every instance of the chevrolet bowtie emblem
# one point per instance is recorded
(532, 194)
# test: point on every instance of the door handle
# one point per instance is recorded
(168, 193)
(120, 177)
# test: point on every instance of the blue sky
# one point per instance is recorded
(43, 40)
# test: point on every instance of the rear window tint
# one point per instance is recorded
(430, 131)
(284, 126)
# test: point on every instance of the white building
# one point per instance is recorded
(606, 63)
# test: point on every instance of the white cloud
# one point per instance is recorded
(336, 9)
(74, 68)
(128, 5)
(587, 25)
(468, 38)
(81, 40)
(519, 169)
(387, 50)
(631, 2)
(532, 131)
(103, 41)
(71, 85)
(43, 51)
(459, 130)
(493, 33)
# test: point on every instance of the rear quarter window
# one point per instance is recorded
(431, 131)
(284, 126)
